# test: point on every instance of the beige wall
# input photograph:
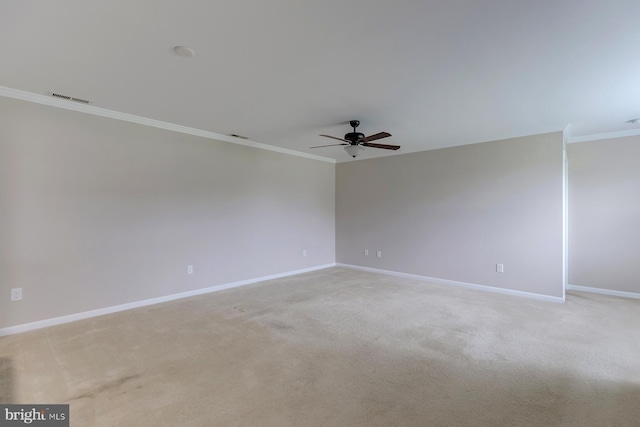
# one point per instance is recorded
(604, 214)
(455, 213)
(96, 212)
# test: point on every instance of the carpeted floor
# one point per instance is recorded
(339, 347)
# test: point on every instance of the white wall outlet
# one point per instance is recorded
(189, 269)
(379, 254)
(366, 252)
(16, 294)
(304, 252)
(500, 268)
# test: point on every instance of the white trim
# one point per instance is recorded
(603, 291)
(11, 330)
(565, 211)
(607, 135)
(103, 112)
(456, 283)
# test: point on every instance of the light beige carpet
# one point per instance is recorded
(339, 347)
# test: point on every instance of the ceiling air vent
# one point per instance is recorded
(70, 98)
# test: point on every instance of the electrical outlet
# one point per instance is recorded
(304, 252)
(16, 294)
(500, 268)
(379, 254)
(189, 269)
(366, 252)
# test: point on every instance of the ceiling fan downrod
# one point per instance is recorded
(354, 137)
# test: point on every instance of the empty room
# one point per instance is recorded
(319, 213)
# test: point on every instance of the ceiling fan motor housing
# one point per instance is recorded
(354, 137)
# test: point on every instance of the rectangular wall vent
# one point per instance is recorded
(70, 98)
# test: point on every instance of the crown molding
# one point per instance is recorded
(103, 112)
(600, 136)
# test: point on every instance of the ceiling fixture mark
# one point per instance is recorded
(238, 136)
(185, 52)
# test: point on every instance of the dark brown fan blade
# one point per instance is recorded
(333, 137)
(385, 146)
(330, 145)
(377, 136)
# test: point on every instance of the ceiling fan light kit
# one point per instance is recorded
(353, 150)
(356, 141)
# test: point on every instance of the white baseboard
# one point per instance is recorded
(603, 291)
(114, 309)
(456, 283)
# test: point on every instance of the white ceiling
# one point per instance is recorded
(432, 73)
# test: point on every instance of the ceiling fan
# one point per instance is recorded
(356, 141)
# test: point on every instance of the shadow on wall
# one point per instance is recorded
(6, 380)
